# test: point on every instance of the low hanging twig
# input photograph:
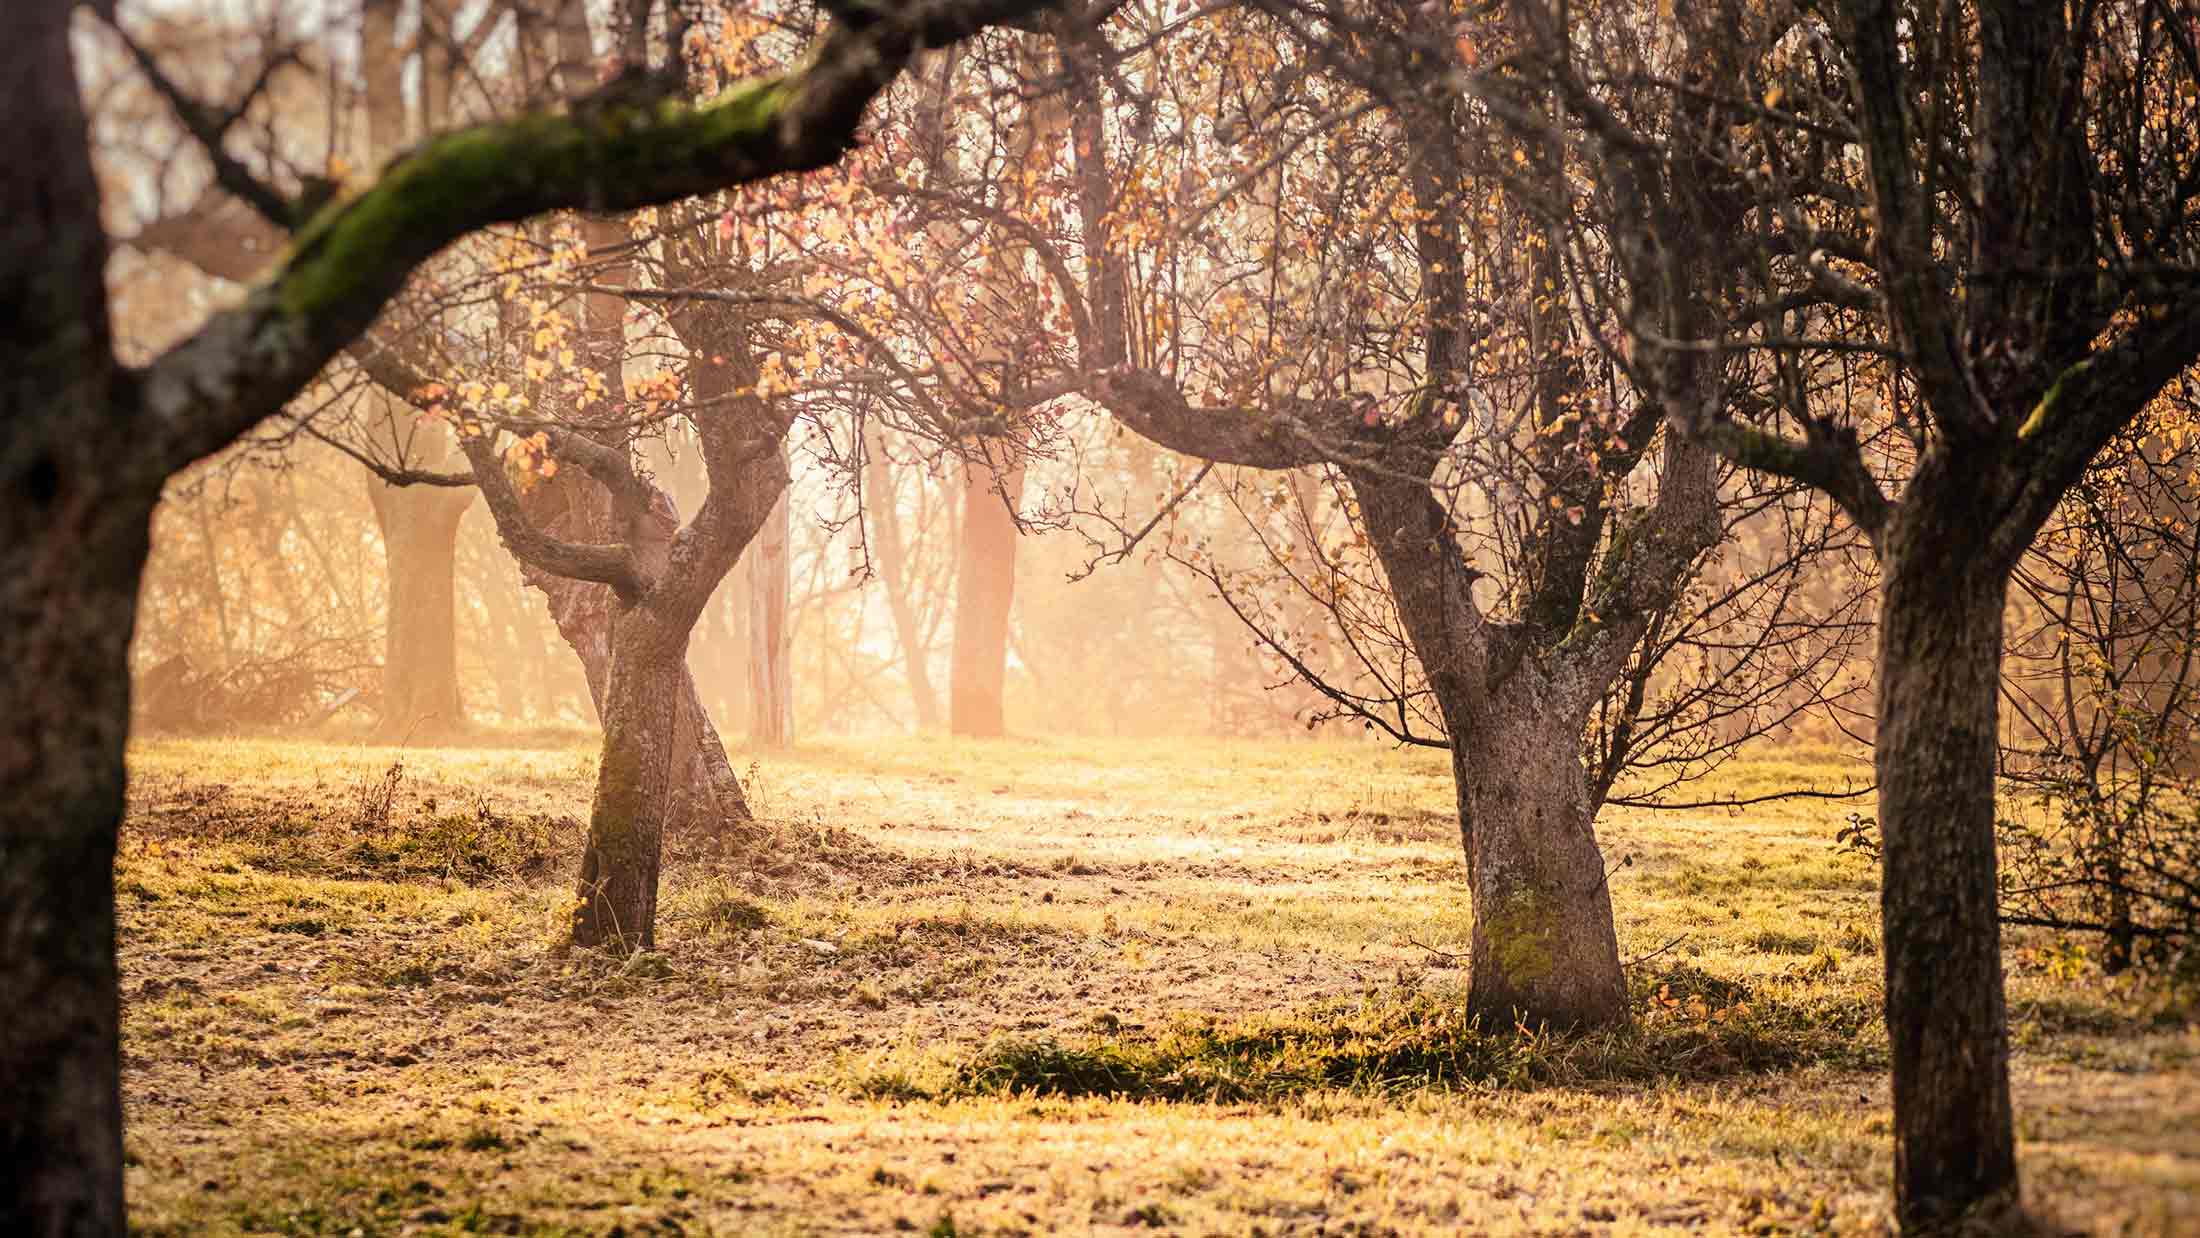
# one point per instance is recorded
(1442, 954)
(1644, 958)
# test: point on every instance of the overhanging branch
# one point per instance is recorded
(354, 255)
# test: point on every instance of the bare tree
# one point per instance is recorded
(1475, 389)
(1996, 206)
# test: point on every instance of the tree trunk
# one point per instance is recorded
(985, 586)
(771, 679)
(710, 797)
(76, 502)
(419, 524)
(420, 661)
(1940, 635)
(1543, 950)
(894, 570)
(587, 616)
(68, 592)
(638, 793)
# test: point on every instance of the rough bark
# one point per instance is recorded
(710, 798)
(65, 624)
(637, 784)
(73, 541)
(985, 588)
(1940, 638)
(1543, 949)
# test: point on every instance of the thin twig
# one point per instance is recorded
(1442, 954)
(1639, 959)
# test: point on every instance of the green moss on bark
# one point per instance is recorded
(2044, 411)
(1523, 932)
(618, 789)
(438, 189)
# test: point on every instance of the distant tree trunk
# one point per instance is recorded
(771, 678)
(985, 567)
(419, 524)
(510, 645)
(1940, 641)
(892, 549)
(736, 659)
(985, 587)
(420, 697)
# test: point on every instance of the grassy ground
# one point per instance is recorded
(1034, 987)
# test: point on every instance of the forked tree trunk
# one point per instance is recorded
(985, 588)
(646, 731)
(1940, 640)
(587, 615)
(420, 696)
(710, 797)
(662, 768)
(1543, 949)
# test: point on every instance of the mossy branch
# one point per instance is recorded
(355, 254)
(1828, 459)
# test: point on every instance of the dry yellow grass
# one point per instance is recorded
(342, 1022)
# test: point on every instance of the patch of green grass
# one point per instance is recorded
(471, 847)
(891, 1085)
(1781, 941)
(1689, 1027)
(720, 907)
